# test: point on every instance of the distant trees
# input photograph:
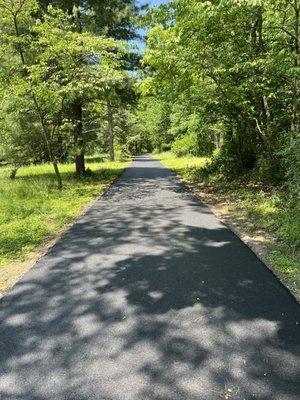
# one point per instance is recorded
(235, 65)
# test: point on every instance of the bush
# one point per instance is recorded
(269, 171)
(213, 166)
(290, 226)
(165, 147)
(291, 160)
(186, 145)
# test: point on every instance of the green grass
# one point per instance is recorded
(256, 211)
(32, 209)
(183, 166)
(271, 213)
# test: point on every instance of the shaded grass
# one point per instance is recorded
(32, 209)
(270, 212)
(267, 213)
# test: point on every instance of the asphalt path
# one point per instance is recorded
(149, 297)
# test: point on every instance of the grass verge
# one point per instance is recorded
(262, 218)
(32, 210)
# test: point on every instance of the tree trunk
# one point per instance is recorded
(111, 128)
(79, 140)
(76, 111)
(80, 164)
(264, 120)
(57, 175)
(217, 140)
(13, 173)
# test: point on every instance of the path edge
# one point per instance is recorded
(256, 249)
(51, 240)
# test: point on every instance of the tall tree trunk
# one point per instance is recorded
(47, 138)
(264, 120)
(79, 140)
(76, 111)
(57, 174)
(217, 140)
(111, 134)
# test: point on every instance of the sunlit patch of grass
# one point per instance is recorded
(187, 167)
(32, 208)
(287, 264)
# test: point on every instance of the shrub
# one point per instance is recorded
(186, 145)
(165, 147)
(291, 160)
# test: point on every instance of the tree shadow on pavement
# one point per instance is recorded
(149, 297)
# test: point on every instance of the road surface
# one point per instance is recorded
(149, 297)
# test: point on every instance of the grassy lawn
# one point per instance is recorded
(263, 215)
(32, 209)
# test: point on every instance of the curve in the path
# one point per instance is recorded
(149, 297)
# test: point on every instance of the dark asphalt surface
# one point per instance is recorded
(149, 297)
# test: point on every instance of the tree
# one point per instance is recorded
(112, 18)
(50, 74)
(237, 65)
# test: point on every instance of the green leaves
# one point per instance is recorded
(46, 64)
(235, 63)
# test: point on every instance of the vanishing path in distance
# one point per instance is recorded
(149, 297)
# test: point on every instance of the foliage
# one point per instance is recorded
(185, 145)
(291, 157)
(112, 18)
(233, 80)
(151, 119)
(48, 65)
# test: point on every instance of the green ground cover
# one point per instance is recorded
(32, 209)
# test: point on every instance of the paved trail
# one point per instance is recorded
(149, 297)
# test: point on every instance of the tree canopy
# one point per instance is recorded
(51, 68)
(228, 71)
(218, 78)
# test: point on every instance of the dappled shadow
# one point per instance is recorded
(149, 297)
